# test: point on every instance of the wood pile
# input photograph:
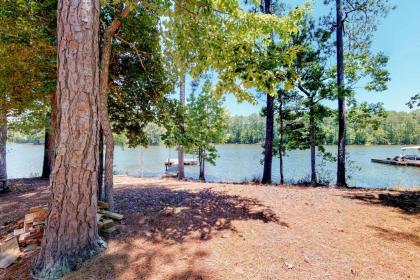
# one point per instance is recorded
(28, 232)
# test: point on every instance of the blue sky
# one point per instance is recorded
(398, 36)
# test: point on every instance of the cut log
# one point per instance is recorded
(38, 216)
(104, 224)
(111, 215)
(37, 209)
(110, 230)
(20, 223)
(103, 205)
(9, 252)
(18, 232)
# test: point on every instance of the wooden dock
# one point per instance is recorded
(414, 163)
(173, 161)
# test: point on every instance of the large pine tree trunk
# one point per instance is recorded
(71, 235)
(181, 172)
(3, 144)
(341, 153)
(312, 143)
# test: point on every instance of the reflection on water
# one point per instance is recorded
(238, 162)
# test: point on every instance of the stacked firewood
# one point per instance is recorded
(28, 232)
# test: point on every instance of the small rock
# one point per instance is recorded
(289, 265)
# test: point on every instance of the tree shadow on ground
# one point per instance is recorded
(397, 236)
(162, 229)
(408, 202)
(124, 261)
(159, 213)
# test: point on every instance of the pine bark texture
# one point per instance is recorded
(341, 152)
(181, 172)
(71, 235)
(269, 125)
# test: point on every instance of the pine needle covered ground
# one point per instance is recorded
(190, 230)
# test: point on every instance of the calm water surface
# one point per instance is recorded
(237, 163)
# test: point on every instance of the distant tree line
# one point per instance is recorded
(395, 128)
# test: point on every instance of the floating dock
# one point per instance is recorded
(173, 161)
(415, 163)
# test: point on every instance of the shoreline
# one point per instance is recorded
(250, 183)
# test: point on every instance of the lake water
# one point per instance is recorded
(237, 163)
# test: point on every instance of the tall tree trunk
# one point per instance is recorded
(181, 173)
(201, 162)
(48, 147)
(269, 125)
(312, 143)
(71, 234)
(341, 153)
(108, 188)
(269, 135)
(108, 185)
(281, 136)
(3, 144)
(101, 165)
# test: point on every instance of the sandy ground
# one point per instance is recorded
(190, 230)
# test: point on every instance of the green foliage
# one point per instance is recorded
(414, 101)
(205, 124)
(139, 82)
(394, 128)
(361, 19)
(27, 55)
(235, 44)
(245, 129)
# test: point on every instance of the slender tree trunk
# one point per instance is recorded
(3, 144)
(49, 147)
(105, 122)
(341, 153)
(312, 143)
(201, 162)
(281, 141)
(101, 165)
(71, 234)
(269, 135)
(106, 51)
(269, 125)
(181, 173)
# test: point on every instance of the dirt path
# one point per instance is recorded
(188, 230)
